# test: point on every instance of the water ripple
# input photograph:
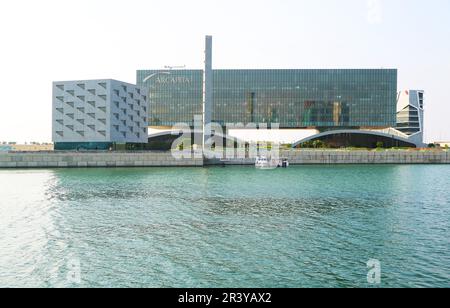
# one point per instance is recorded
(313, 226)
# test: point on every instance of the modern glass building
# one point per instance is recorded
(344, 107)
(175, 96)
(312, 98)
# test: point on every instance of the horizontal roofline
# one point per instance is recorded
(95, 80)
(276, 69)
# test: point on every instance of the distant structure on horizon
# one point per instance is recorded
(442, 144)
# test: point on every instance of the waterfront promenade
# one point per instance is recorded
(165, 159)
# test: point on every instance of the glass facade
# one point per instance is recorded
(174, 96)
(81, 146)
(408, 121)
(293, 98)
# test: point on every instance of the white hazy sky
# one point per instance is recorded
(48, 40)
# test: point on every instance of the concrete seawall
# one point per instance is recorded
(85, 160)
(367, 157)
(165, 159)
(321, 157)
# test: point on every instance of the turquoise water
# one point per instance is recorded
(307, 226)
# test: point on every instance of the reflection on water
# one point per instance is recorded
(216, 227)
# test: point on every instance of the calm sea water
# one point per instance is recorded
(308, 226)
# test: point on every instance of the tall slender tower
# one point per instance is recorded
(410, 115)
(207, 90)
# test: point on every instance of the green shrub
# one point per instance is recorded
(401, 148)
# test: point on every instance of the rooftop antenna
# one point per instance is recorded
(174, 67)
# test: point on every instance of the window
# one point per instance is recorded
(421, 100)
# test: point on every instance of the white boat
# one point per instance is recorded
(268, 164)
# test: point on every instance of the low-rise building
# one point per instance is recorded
(5, 148)
(443, 144)
(31, 147)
